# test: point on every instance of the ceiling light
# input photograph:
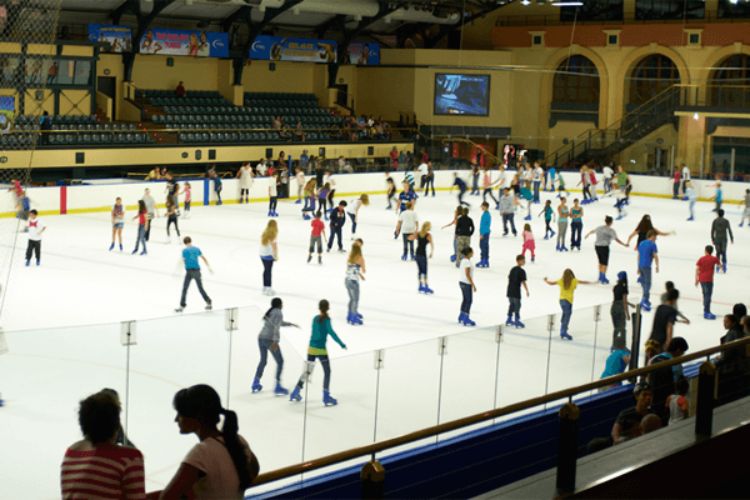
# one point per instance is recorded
(526, 2)
(696, 116)
(567, 4)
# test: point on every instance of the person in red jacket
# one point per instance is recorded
(704, 275)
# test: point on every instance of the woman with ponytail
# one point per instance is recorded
(221, 465)
(268, 340)
(568, 284)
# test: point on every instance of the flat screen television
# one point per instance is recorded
(457, 94)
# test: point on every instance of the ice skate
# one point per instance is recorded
(329, 400)
(256, 387)
(279, 390)
(295, 395)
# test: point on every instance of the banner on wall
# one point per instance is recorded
(119, 38)
(277, 48)
(363, 53)
(7, 112)
(185, 43)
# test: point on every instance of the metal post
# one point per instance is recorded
(635, 320)
(704, 411)
(658, 159)
(672, 151)
(703, 161)
(442, 351)
(127, 339)
(732, 160)
(231, 324)
(566, 456)
(372, 475)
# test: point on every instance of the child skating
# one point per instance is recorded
(190, 256)
(568, 284)
(549, 215)
(355, 272)
(528, 242)
(321, 330)
(309, 193)
(352, 210)
(423, 238)
(390, 188)
(516, 279)
(143, 223)
(187, 192)
(273, 195)
(563, 213)
(268, 340)
(485, 223)
(407, 226)
(35, 229)
(317, 235)
(269, 253)
(172, 217)
(691, 198)
(746, 211)
(118, 222)
(468, 288)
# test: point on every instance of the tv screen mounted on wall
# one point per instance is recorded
(457, 94)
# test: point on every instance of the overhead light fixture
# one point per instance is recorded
(526, 2)
(696, 116)
(567, 4)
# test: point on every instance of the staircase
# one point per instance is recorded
(601, 145)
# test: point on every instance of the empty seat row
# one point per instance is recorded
(96, 139)
(57, 119)
(241, 137)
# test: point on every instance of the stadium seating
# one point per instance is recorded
(74, 130)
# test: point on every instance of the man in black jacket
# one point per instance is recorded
(464, 231)
(337, 220)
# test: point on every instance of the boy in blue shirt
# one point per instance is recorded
(484, 236)
(190, 255)
(406, 196)
(647, 253)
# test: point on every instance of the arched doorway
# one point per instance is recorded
(652, 75)
(729, 85)
(575, 91)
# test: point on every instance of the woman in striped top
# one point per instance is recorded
(96, 467)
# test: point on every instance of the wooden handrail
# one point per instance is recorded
(343, 456)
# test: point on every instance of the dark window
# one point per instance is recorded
(576, 82)
(730, 81)
(594, 10)
(652, 75)
(537, 40)
(669, 9)
(727, 9)
(612, 39)
(694, 38)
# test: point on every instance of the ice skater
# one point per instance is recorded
(585, 184)
(568, 284)
(352, 210)
(331, 182)
(268, 340)
(528, 242)
(269, 253)
(190, 255)
(172, 217)
(299, 177)
(561, 191)
(704, 276)
(516, 279)
(309, 193)
(474, 180)
(355, 272)
(187, 193)
(459, 183)
(317, 235)
(337, 221)
(746, 211)
(321, 330)
(487, 186)
(151, 212)
(423, 238)
(429, 183)
(691, 198)
(718, 196)
(563, 213)
(604, 237)
(456, 214)
(464, 231)
(528, 197)
(576, 225)
(536, 176)
(273, 194)
(35, 229)
(549, 215)
(549, 185)
(720, 229)
(323, 200)
(641, 231)
(245, 175)
(467, 285)
(390, 188)
(508, 205)
(143, 225)
(485, 223)
(621, 198)
(408, 195)
(648, 253)
(217, 186)
(407, 226)
(620, 310)
(118, 222)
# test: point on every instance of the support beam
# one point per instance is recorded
(144, 22)
(241, 14)
(125, 6)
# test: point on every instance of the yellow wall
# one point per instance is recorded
(34, 107)
(75, 102)
(110, 65)
(198, 73)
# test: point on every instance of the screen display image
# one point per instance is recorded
(462, 94)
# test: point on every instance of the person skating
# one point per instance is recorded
(464, 231)
(245, 175)
(718, 196)
(273, 195)
(485, 223)
(190, 256)
(456, 214)
(467, 285)
(620, 309)
(407, 226)
(516, 279)
(563, 212)
(528, 197)
(317, 235)
(172, 217)
(353, 208)
(537, 176)
(549, 215)
(299, 177)
(461, 185)
(118, 222)
(321, 330)
(423, 238)
(151, 212)
(604, 237)
(390, 188)
(528, 242)
(143, 227)
(406, 196)
(309, 193)
(568, 284)
(217, 186)
(746, 211)
(691, 198)
(269, 253)
(508, 205)
(487, 186)
(704, 276)
(647, 254)
(720, 229)
(355, 272)
(337, 221)
(34, 231)
(268, 340)
(429, 180)
(187, 192)
(576, 225)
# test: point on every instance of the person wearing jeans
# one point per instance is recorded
(576, 225)
(704, 275)
(647, 254)
(268, 254)
(143, 225)
(355, 269)
(507, 209)
(268, 340)
(466, 282)
(484, 236)
(568, 284)
(190, 255)
(407, 226)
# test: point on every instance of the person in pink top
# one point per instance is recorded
(528, 242)
(187, 192)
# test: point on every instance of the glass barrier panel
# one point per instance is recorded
(44, 375)
(571, 360)
(170, 354)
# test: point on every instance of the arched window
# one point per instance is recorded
(576, 82)
(651, 76)
(729, 85)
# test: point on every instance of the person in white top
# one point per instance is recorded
(299, 176)
(273, 195)
(352, 209)
(269, 252)
(35, 228)
(407, 226)
(261, 168)
(608, 174)
(221, 465)
(245, 175)
(423, 169)
(328, 179)
(500, 181)
(685, 176)
(537, 175)
(466, 282)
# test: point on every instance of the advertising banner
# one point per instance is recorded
(7, 112)
(185, 43)
(120, 38)
(276, 48)
(363, 53)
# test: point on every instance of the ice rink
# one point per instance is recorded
(62, 327)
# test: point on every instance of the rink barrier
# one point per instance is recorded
(707, 369)
(79, 199)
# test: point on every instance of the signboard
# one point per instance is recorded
(7, 112)
(119, 38)
(184, 43)
(276, 48)
(363, 53)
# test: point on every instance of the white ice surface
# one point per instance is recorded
(53, 361)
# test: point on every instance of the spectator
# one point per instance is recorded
(221, 465)
(733, 363)
(650, 423)
(628, 422)
(616, 362)
(45, 125)
(299, 131)
(180, 90)
(739, 311)
(678, 404)
(97, 463)
(52, 73)
(662, 381)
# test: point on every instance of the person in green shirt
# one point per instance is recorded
(321, 329)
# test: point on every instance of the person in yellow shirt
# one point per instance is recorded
(568, 284)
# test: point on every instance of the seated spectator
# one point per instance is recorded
(154, 174)
(221, 465)
(652, 348)
(662, 381)
(180, 90)
(678, 403)
(733, 363)
(97, 467)
(650, 423)
(739, 311)
(628, 422)
(616, 362)
(299, 131)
